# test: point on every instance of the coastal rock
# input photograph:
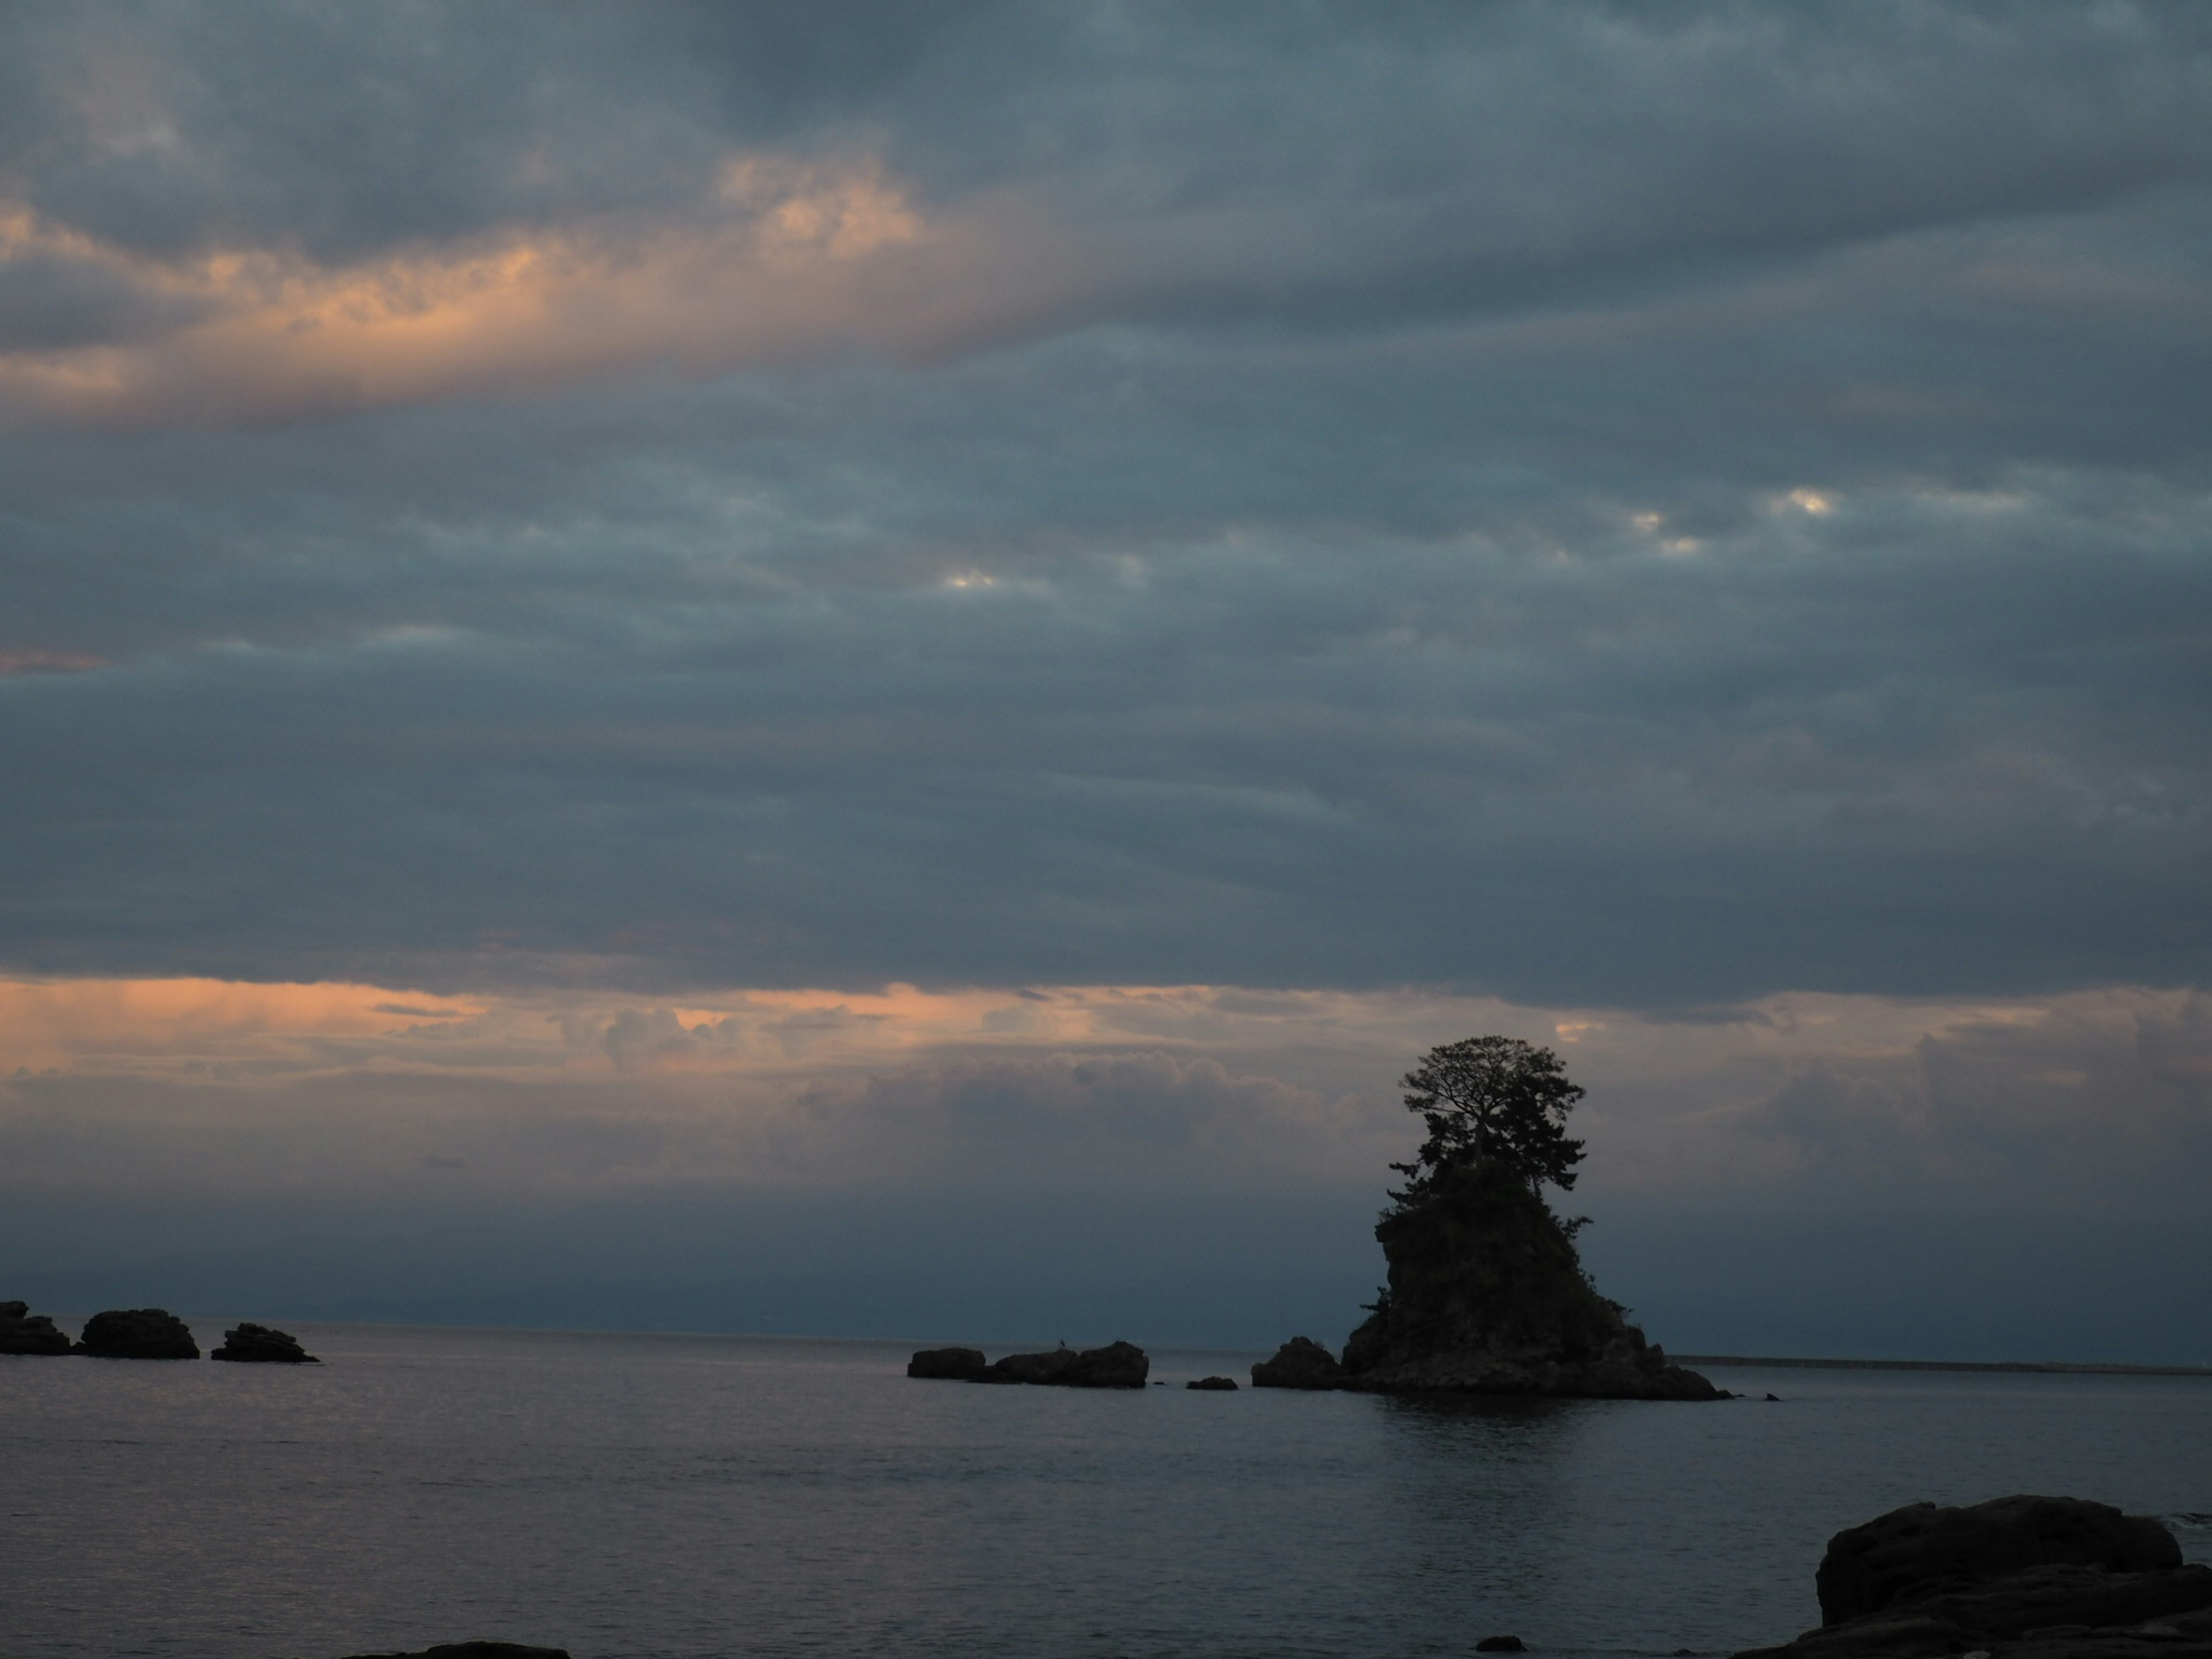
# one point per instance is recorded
(1116, 1365)
(138, 1333)
(22, 1331)
(2021, 1577)
(1300, 1362)
(1902, 1555)
(259, 1345)
(1214, 1384)
(948, 1364)
(1487, 1296)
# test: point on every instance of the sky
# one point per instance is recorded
(871, 669)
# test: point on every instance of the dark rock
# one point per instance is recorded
(1500, 1645)
(138, 1333)
(1487, 1296)
(22, 1331)
(948, 1364)
(475, 1651)
(1776, 1398)
(259, 1345)
(1900, 1556)
(1214, 1384)
(2021, 1577)
(1300, 1362)
(1116, 1365)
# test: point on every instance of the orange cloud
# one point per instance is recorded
(794, 260)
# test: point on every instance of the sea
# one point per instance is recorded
(674, 1497)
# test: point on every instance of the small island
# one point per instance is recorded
(1487, 1293)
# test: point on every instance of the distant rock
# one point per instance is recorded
(1300, 1362)
(948, 1364)
(258, 1345)
(22, 1331)
(1117, 1365)
(1214, 1384)
(2021, 1577)
(1487, 1296)
(138, 1333)
(475, 1651)
(1501, 1644)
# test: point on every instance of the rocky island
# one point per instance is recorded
(22, 1331)
(1117, 1365)
(1487, 1293)
(2020, 1578)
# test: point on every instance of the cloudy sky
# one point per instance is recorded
(944, 633)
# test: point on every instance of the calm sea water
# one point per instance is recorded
(691, 1496)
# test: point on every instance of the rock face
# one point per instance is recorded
(1300, 1362)
(1487, 1296)
(22, 1331)
(948, 1364)
(1117, 1365)
(258, 1345)
(138, 1333)
(1214, 1384)
(2018, 1578)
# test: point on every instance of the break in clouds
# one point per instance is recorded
(1635, 514)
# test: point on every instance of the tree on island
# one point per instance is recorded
(1491, 1102)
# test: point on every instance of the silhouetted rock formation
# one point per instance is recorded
(1487, 1296)
(138, 1333)
(1300, 1362)
(475, 1651)
(949, 1365)
(2018, 1578)
(22, 1331)
(1214, 1384)
(1117, 1365)
(260, 1346)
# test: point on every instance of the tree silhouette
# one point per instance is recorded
(1495, 1100)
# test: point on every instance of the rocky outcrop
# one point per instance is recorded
(1300, 1362)
(1214, 1384)
(1117, 1365)
(1487, 1296)
(138, 1333)
(475, 1651)
(260, 1346)
(22, 1331)
(949, 1365)
(2021, 1577)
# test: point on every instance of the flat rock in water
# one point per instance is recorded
(1116, 1365)
(1300, 1362)
(22, 1331)
(2022, 1577)
(475, 1651)
(948, 1364)
(259, 1345)
(138, 1333)
(1214, 1384)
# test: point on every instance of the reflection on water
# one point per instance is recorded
(693, 1496)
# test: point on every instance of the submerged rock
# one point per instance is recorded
(1300, 1362)
(259, 1345)
(475, 1651)
(2021, 1577)
(948, 1364)
(1214, 1384)
(22, 1331)
(138, 1333)
(1487, 1296)
(1116, 1365)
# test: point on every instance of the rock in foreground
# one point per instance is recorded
(2021, 1577)
(259, 1345)
(22, 1331)
(1487, 1296)
(1300, 1362)
(138, 1333)
(949, 1365)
